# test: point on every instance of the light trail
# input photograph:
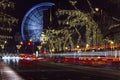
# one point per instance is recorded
(8, 74)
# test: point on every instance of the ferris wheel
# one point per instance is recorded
(32, 24)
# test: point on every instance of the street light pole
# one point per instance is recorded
(33, 49)
(18, 48)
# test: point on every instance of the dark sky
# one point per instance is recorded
(22, 6)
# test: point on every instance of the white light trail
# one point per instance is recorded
(8, 74)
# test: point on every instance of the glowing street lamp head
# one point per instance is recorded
(97, 9)
(5, 42)
(111, 42)
(30, 40)
(87, 45)
(21, 42)
(77, 46)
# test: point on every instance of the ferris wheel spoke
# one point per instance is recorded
(32, 25)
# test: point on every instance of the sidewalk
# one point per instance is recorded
(6, 73)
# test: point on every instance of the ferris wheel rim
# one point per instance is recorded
(49, 4)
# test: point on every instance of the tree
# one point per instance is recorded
(76, 19)
(7, 22)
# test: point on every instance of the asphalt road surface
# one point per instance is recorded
(45, 70)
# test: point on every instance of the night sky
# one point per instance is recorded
(22, 6)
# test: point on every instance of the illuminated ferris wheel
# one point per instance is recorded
(32, 24)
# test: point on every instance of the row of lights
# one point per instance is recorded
(88, 46)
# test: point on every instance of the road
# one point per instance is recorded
(46, 70)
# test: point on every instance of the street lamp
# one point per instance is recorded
(2, 46)
(87, 45)
(39, 47)
(77, 46)
(97, 9)
(29, 44)
(5, 42)
(111, 43)
(18, 48)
